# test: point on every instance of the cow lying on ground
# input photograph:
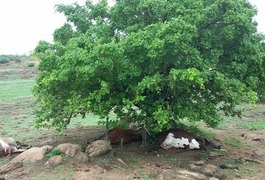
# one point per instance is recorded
(179, 138)
(117, 135)
(9, 146)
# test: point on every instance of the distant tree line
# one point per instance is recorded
(7, 58)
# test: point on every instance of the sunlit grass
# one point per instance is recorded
(234, 142)
(11, 90)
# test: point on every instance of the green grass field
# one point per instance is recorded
(16, 111)
(15, 89)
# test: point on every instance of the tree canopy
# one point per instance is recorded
(152, 61)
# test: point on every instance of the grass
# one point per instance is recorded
(253, 125)
(256, 120)
(245, 168)
(237, 123)
(54, 152)
(134, 159)
(62, 172)
(16, 111)
(15, 89)
(234, 142)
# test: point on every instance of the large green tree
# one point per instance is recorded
(151, 61)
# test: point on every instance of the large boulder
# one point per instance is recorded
(33, 154)
(81, 157)
(54, 161)
(97, 148)
(69, 149)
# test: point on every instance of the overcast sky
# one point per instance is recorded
(23, 23)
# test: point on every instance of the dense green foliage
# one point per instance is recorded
(151, 61)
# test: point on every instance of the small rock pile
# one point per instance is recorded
(72, 150)
(208, 170)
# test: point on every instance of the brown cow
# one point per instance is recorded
(117, 135)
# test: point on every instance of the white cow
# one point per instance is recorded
(182, 142)
(9, 146)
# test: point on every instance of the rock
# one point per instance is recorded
(259, 154)
(98, 148)
(209, 169)
(69, 149)
(10, 167)
(54, 161)
(192, 174)
(160, 177)
(213, 178)
(201, 177)
(33, 154)
(258, 137)
(81, 157)
(194, 167)
(219, 153)
(199, 163)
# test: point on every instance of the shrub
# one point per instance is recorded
(4, 59)
(8, 58)
(31, 64)
(54, 152)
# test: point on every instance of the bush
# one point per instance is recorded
(54, 152)
(3, 61)
(31, 64)
(7, 58)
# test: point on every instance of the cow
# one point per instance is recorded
(180, 138)
(9, 146)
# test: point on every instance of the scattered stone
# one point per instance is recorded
(121, 161)
(69, 149)
(106, 167)
(213, 178)
(254, 160)
(33, 154)
(10, 167)
(258, 137)
(209, 169)
(160, 177)
(191, 174)
(81, 158)
(199, 163)
(194, 167)
(217, 153)
(54, 161)
(98, 148)
(259, 154)
(219, 174)
(201, 177)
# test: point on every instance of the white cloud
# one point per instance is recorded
(260, 5)
(24, 23)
